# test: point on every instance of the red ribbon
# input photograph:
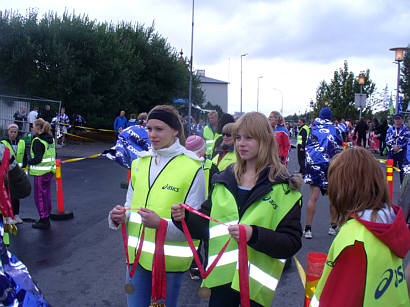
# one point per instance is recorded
(131, 271)
(242, 261)
(5, 199)
(195, 253)
(159, 278)
(243, 267)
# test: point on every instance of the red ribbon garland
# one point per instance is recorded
(242, 256)
(5, 199)
(159, 278)
(131, 271)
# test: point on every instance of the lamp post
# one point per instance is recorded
(242, 55)
(190, 71)
(398, 56)
(361, 82)
(257, 97)
(281, 108)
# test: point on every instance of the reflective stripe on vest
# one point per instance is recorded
(48, 162)
(314, 302)
(267, 212)
(170, 187)
(385, 284)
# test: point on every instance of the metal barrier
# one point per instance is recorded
(14, 109)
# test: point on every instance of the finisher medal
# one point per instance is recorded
(129, 288)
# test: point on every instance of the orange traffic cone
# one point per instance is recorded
(314, 269)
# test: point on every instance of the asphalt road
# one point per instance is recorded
(80, 262)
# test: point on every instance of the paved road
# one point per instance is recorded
(80, 262)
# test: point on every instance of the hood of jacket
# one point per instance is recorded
(46, 137)
(392, 230)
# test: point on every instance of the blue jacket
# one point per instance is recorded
(323, 143)
(397, 137)
(120, 122)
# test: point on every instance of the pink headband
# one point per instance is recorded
(12, 126)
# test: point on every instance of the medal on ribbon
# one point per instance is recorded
(129, 288)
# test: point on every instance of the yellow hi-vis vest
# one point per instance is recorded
(48, 162)
(21, 149)
(228, 159)
(385, 280)
(210, 138)
(170, 187)
(207, 173)
(267, 212)
(299, 138)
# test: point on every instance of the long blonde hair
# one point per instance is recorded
(43, 126)
(256, 125)
(173, 111)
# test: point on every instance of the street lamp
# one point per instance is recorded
(398, 56)
(281, 109)
(361, 82)
(242, 55)
(190, 71)
(257, 97)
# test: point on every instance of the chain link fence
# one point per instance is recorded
(22, 112)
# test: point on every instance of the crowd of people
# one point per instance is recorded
(235, 174)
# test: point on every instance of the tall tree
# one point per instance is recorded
(339, 94)
(95, 68)
(405, 79)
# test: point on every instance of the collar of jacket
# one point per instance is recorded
(262, 187)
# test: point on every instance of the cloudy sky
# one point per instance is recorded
(293, 44)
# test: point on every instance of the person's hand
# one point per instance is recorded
(149, 218)
(178, 212)
(302, 149)
(120, 130)
(234, 232)
(396, 147)
(118, 215)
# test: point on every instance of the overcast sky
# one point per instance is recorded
(293, 44)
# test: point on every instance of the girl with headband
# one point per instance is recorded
(165, 175)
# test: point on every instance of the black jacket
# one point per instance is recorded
(282, 243)
(39, 149)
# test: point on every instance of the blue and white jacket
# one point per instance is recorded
(398, 137)
(323, 143)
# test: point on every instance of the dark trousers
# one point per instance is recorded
(15, 202)
(398, 160)
(361, 140)
(382, 145)
(225, 296)
(301, 160)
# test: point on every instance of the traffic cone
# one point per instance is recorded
(61, 214)
(314, 269)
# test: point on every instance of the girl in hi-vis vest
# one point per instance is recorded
(42, 167)
(258, 193)
(364, 266)
(17, 148)
(165, 175)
